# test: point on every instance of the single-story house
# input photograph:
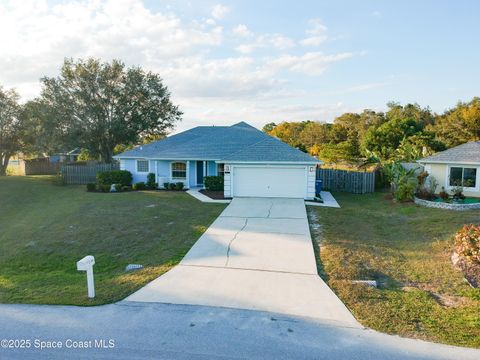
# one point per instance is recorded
(458, 166)
(252, 163)
(70, 156)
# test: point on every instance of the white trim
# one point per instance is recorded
(142, 172)
(449, 162)
(172, 179)
(273, 166)
(223, 160)
(271, 162)
(463, 166)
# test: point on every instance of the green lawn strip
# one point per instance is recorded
(46, 228)
(407, 249)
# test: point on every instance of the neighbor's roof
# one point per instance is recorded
(239, 142)
(465, 153)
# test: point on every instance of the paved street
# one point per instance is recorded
(162, 331)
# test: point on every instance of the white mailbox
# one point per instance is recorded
(86, 264)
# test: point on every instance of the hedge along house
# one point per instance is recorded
(252, 163)
(458, 166)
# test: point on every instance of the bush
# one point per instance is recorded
(179, 186)
(139, 186)
(118, 187)
(443, 194)
(122, 177)
(126, 188)
(151, 181)
(171, 186)
(405, 191)
(467, 243)
(91, 187)
(104, 188)
(214, 183)
(166, 185)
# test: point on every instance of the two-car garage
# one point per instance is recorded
(288, 181)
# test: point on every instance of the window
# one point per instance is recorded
(142, 166)
(466, 177)
(221, 169)
(179, 170)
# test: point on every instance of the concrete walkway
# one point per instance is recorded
(195, 192)
(328, 200)
(257, 255)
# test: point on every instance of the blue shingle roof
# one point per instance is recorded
(240, 142)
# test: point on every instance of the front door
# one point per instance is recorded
(199, 172)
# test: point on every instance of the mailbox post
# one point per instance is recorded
(86, 264)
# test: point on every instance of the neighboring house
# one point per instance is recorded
(458, 166)
(252, 162)
(70, 156)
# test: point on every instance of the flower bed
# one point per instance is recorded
(447, 205)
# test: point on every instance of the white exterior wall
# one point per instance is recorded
(441, 172)
(227, 181)
(309, 184)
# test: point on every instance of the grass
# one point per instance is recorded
(45, 229)
(407, 249)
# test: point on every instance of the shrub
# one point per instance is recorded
(118, 187)
(467, 243)
(457, 193)
(122, 177)
(139, 186)
(179, 186)
(405, 191)
(151, 181)
(214, 183)
(443, 194)
(104, 188)
(166, 185)
(171, 186)
(91, 187)
(126, 188)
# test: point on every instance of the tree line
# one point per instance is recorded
(100, 107)
(402, 133)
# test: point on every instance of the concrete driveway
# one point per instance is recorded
(257, 255)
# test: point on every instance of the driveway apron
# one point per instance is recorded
(257, 255)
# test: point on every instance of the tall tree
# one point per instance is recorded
(11, 127)
(460, 124)
(98, 106)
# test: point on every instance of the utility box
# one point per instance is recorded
(318, 187)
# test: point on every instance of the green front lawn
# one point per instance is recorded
(407, 249)
(45, 229)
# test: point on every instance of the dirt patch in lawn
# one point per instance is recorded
(407, 250)
(216, 195)
(470, 270)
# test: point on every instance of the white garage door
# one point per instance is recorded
(270, 182)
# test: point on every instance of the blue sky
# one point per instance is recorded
(258, 61)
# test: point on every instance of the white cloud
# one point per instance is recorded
(36, 37)
(228, 77)
(376, 14)
(242, 31)
(311, 63)
(219, 86)
(219, 11)
(276, 41)
(316, 33)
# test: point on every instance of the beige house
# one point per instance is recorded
(458, 166)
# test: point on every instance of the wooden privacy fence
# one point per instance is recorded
(347, 181)
(84, 173)
(40, 166)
